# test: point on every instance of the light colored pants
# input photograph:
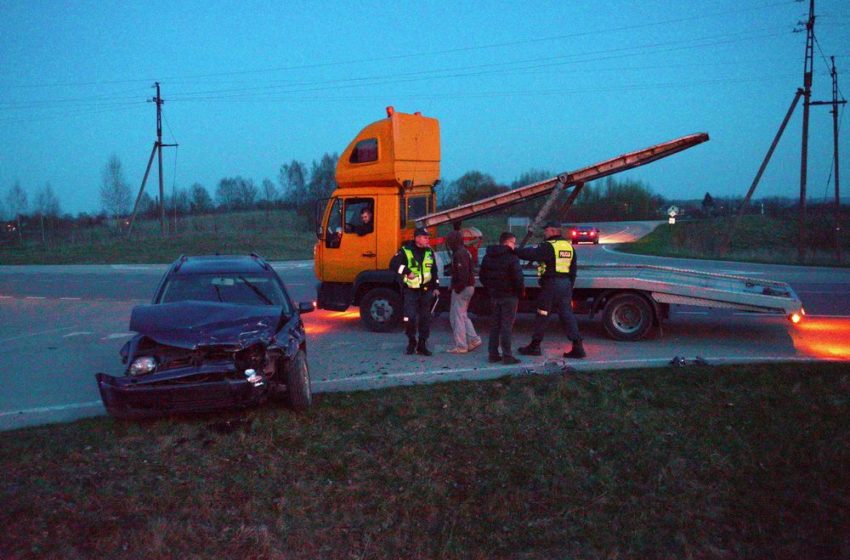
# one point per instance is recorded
(462, 328)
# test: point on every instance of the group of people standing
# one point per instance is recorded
(501, 275)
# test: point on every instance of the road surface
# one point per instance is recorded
(61, 324)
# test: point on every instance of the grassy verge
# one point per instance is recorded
(757, 239)
(277, 235)
(732, 462)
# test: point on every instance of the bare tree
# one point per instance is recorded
(201, 200)
(114, 191)
(47, 206)
(269, 190)
(293, 182)
(16, 200)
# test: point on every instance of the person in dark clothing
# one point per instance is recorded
(463, 288)
(557, 273)
(416, 267)
(502, 276)
(366, 225)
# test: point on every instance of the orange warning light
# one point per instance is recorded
(795, 318)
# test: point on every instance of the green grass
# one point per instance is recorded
(727, 462)
(277, 235)
(757, 239)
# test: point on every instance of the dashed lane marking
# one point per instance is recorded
(71, 298)
(35, 297)
(78, 333)
(117, 335)
(51, 331)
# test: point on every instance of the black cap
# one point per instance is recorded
(555, 225)
(421, 231)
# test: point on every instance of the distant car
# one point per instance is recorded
(221, 332)
(584, 234)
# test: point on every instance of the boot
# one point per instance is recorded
(411, 346)
(533, 349)
(422, 348)
(577, 351)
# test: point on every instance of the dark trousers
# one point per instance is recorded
(556, 295)
(503, 314)
(417, 313)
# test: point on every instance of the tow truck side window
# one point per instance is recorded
(365, 151)
(333, 229)
(360, 216)
(415, 207)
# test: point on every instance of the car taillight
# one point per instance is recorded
(592, 234)
(575, 233)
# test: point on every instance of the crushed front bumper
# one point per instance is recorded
(129, 397)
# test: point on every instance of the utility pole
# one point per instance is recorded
(835, 103)
(804, 155)
(157, 149)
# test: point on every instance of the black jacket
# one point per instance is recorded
(398, 263)
(545, 253)
(500, 272)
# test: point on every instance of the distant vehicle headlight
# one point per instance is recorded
(142, 365)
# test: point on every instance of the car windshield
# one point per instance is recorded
(245, 289)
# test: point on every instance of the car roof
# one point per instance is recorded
(584, 227)
(211, 264)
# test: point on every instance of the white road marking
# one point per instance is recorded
(130, 267)
(54, 408)
(117, 335)
(71, 298)
(691, 312)
(35, 297)
(78, 333)
(34, 334)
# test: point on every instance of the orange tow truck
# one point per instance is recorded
(386, 179)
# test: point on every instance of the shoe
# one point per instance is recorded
(457, 350)
(510, 360)
(533, 349)
(493, 358)
(474, 344)
(577, 351)
(411, 347)
(422, 349)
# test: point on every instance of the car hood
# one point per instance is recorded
(190, 324)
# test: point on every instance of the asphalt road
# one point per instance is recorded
(61, 324)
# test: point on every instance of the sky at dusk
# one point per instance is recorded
(516, 85)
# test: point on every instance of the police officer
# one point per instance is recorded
(417, 269)
(557, 272)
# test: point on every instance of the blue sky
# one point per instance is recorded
(516, 85)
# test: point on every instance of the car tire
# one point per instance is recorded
(299, 396)
(381, 309)
(627, 317)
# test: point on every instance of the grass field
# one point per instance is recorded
(757, 239)
(727, 462)
(276, 235)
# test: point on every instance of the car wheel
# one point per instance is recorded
(299, 397)
(627, 317)
(380, 309)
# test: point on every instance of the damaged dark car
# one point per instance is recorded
(221, 333)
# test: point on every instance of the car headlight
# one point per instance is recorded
(140, 366)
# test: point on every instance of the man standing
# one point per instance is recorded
(502, 276)
(557, 273)
(416, 267)
(463, 286)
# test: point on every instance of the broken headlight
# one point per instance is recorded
(142, 365)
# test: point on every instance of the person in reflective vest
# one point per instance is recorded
(415, 265)
(557, 271)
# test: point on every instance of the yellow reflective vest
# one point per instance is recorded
(563, 257)
(423, 275)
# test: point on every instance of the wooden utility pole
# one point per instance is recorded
(804, 155)
(157, 150)
(835, 103)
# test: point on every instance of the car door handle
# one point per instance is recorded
(369, 254)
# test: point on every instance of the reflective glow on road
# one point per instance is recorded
(823, 337)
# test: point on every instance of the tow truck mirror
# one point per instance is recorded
(306, 307)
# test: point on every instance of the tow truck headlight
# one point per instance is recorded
(142, 365)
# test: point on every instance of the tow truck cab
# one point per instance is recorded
(390, 169)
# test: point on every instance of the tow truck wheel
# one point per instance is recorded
(627, 317)
(380, 309)
(299, 397)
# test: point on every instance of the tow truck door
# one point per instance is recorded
(350, 245)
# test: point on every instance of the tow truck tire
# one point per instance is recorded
(627, 317)
(299, 396)
(381, 309)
